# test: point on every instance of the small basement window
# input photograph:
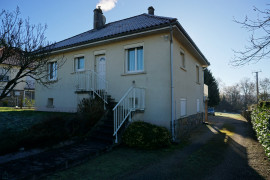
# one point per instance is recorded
(50, 103)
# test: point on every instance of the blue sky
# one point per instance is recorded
(208, 22)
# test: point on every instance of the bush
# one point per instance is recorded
(146, 136)
(260, 119)
(89, 105)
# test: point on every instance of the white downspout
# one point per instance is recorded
(172, 87)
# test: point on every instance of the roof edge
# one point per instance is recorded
(181, 29)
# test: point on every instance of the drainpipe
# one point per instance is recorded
(172, 87)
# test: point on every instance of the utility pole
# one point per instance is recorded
(257, 84)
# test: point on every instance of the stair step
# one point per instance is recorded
(108, 121)
(108, 139)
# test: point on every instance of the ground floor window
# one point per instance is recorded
(183, 107)
(198, 105)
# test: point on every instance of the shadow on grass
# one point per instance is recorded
(113, 164)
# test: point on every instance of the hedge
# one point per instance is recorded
(260, 119)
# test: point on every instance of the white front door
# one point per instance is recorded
(101, 71)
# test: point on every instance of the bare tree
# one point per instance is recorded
(247, 88)
(259, 41)
(23, 46)
(233, 97)
(265, 87)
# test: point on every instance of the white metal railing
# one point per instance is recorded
(134, 99)
(90, 81)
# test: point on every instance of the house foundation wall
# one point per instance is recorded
(184, 126)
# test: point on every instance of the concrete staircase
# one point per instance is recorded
(103, 132)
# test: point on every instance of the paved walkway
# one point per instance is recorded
(32, 167)
(243, 158)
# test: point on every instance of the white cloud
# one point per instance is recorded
(107, 5)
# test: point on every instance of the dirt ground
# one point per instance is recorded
(225, 149)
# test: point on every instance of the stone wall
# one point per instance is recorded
(184, 126)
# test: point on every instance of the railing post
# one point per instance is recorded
(134, 97)
(116, 138)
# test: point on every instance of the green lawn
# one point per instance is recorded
(12, 119)
(111, 165)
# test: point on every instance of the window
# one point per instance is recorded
(198, 105)
(52, 71)
(50, 103)
(17, 93)
(4, 78)
(3, 75)
(197, 74)
(79, 64)
(135, 62)
(183, 107)
(183, 60)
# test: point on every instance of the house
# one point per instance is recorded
(147, 63)
(23, 93)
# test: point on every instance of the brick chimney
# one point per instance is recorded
(151, 10)
(99, 18)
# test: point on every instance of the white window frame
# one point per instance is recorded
(136, 59)
(183, 107)
(198, 105)
(54, 78)
(76, 61)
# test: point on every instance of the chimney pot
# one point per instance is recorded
(151, 10)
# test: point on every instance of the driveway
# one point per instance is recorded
(224, 149)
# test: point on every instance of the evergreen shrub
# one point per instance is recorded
(146, 136)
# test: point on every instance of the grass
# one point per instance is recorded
(16, 129)
(112, 164)
(19, 119)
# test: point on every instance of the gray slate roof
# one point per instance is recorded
(117, 28)
(130, 25)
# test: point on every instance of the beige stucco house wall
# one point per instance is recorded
(155, 78)
(171, 77)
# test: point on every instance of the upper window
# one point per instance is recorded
(183, 60)
(3, 75)
(197, 74)
(79, 64)
(4, 78)
(52, 71)
(135, 62)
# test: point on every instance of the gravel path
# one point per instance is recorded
(243, 157)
